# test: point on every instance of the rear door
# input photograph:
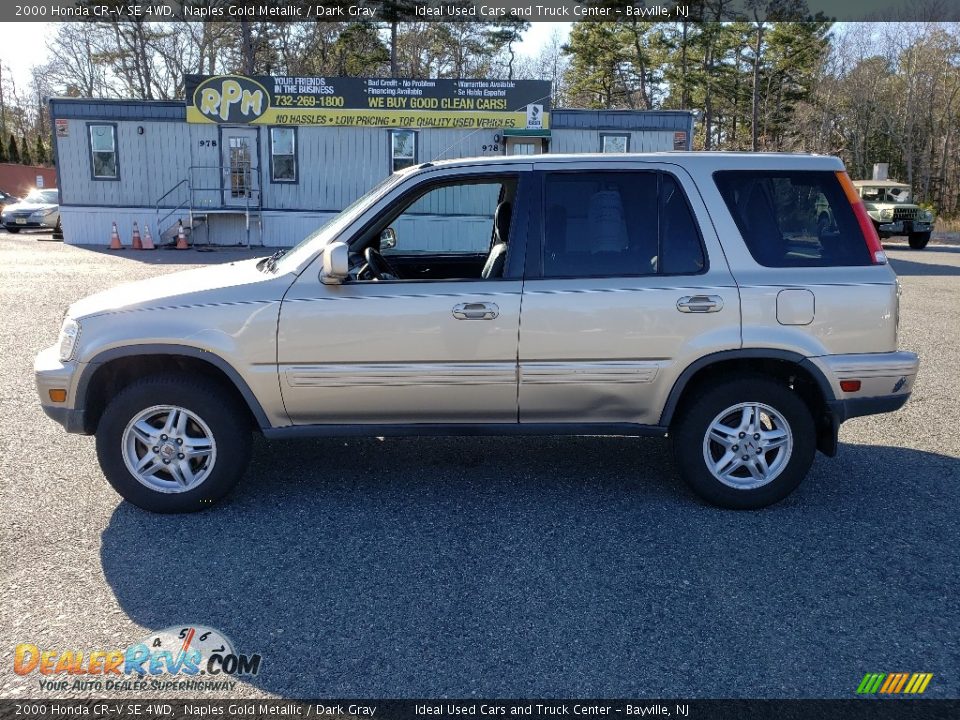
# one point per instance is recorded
(626, 287)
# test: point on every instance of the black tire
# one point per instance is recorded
(13, 230)
(918, 241)
(226, 418)
(690, 429)
(58, 231)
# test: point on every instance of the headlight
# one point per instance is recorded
(41, 214)
(886, 214)
(69, 334)
(927, 216)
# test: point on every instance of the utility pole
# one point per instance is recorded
(3, 107)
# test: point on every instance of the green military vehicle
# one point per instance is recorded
(891, 208)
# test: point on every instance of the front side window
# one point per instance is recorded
(618, 224)
(794, 219)
(103, 152)
(283, 154)
(403, 149)
(614, 143)
(455, 218)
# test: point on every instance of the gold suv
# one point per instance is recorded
(695, 296)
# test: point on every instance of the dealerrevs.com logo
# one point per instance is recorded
(189, 657)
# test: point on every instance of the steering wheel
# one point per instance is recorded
(376, 267)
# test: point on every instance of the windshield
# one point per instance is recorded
(45, 197)
(886, 194)
(335, 225)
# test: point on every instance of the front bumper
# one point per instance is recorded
(902, 227)
(890, 228)
(51, 374)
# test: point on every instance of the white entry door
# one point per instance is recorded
(241, 180)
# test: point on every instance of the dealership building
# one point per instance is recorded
(267, 160)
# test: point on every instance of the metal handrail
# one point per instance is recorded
(191, 205)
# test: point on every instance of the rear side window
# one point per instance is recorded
(618, 224)
(794, 219)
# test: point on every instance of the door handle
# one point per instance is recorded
(700, 304)
(476, 311)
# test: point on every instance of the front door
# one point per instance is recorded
(240, 166)
(524, 146)
(627, 293)
(434, 343)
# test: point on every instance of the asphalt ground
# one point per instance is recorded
(537, 567)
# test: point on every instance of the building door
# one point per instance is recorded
(240, 166)
(524, 146)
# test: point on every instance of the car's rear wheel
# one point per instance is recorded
(745, 444)
(173, 444)
(918, 241)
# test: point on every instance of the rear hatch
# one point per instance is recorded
(816, 279)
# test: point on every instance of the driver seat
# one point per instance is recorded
(497, 258)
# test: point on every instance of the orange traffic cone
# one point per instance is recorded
(115, 243)
(181, 237)
(135, 242)
(148, 238)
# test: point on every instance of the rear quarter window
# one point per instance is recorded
(794, 219)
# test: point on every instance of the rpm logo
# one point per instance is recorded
(231, 98)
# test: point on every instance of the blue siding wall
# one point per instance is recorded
(335, 165)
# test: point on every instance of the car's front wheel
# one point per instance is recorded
(746, 443)
(919, 240)
(13, 230)
(173, 444)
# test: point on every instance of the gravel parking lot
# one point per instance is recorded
(493, 567)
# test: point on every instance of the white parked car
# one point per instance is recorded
(39, 210)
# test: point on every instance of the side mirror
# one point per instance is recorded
(388, 239)
(336, 263)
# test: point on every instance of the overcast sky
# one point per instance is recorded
(25, 44)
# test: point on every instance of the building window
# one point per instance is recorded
(403, 149)
(103, 152)
(523, 148)
(610, 143)
(283, 154)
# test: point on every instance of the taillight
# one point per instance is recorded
(869, 232)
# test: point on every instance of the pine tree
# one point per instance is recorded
(25, 157)
(40, 152)
(13, 152)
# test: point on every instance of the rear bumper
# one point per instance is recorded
(843, 410)
(886, 382)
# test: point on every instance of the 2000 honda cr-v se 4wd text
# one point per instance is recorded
(698, 296)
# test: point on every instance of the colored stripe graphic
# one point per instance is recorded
(894, 683)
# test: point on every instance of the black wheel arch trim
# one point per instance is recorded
(676, 392)
(171, 349)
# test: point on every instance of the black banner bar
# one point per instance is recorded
(470, 709)
(474, 10)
